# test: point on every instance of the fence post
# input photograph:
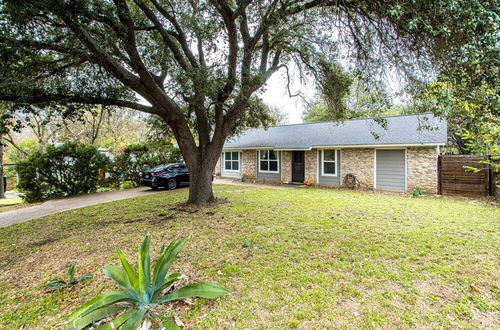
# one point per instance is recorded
(439, 190)
(491, 188)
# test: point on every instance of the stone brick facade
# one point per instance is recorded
(249, 163)
(311, 166)
(421, 163)
(360, 162)
(422, 168)
(286, 166)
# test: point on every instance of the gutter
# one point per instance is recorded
(333, 146)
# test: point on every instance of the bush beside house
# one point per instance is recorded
(136, 158)
(68, 169)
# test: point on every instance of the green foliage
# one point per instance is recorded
(136, 158)
(355, 97)
(57, 285)
(473, 118)
(417, 192)
(334, 84)
(128, 185)
(142, 290)
(30, 146)
(69, 169)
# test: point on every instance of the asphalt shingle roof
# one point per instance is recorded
(401, 130)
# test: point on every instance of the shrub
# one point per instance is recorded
(142, 291)
(417, 192)
(69, 169)
(136, 158)
(57, 285)
(128, 185)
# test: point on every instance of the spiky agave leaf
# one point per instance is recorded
(132, 275)
(165, 261)
(84, 277)
(141, 290)
(199, 289)
(143, 270)
(71, 274)
(94, 316)
(55, 284)
(169, 280)
(76, 320)
(121, 278)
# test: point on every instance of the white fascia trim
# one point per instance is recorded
(403, 145)
(250, 148)
(295, 149)
(336, 146)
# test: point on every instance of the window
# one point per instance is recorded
(329, 162)
(268, 161)
(231, 161)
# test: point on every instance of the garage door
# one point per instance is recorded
(390, 169)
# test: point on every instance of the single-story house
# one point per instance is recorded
(400, 155)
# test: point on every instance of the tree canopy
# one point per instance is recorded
(202, 61)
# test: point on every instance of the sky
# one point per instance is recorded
(276, 94)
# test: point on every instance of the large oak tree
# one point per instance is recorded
(200, 62)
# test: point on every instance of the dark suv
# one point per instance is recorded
(169, 176)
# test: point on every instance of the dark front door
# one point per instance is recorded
(298, 166)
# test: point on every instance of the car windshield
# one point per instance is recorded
(161, 168)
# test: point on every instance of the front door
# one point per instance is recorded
(298, 166)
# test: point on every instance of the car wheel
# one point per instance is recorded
(154, 188)
(172, 184)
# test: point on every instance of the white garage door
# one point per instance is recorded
(390, 169)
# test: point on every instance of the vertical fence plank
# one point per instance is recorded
(439, 189)
(455, 179)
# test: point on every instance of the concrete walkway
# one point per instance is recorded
(231, 182)
(65, 204)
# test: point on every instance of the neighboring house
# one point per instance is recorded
(402, 156)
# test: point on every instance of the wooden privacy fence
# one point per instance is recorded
(455, 179)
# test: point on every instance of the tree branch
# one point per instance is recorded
(91, 100)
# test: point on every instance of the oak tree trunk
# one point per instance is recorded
(201, 166)
(200, 185)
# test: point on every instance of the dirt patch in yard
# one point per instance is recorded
(42, 242)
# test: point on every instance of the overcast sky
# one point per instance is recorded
(276, 94)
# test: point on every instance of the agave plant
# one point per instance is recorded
(71, 281)
(142, 290)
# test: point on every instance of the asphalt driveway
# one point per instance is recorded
(65, 204)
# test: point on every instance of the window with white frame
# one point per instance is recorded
(268, 161)
(231, 161)
(329, 162)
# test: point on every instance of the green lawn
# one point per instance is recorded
(307, 258)
(10, 201)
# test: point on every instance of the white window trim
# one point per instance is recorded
(224, 162)
(278, 154)
(323, 163)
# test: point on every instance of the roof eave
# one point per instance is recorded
(387, 145)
